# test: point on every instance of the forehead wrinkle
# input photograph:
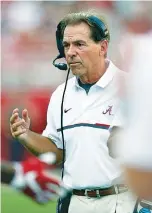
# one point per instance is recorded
(77, 32)
(75, 37)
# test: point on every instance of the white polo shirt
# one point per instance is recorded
(87, 119)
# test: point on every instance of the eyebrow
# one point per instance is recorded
(76, 41)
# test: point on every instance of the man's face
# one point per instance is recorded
(82, 54)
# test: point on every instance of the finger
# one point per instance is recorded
(54, 189)
(15, 111)
(48, 179)
(18, 132)
(31, 183)
(60, 191)
(49, 195)
(14, 117)
(25, 115)
(56, 192)
(17, 124)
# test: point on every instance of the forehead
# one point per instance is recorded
(76, 32)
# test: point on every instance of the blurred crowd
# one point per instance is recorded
(29, 47)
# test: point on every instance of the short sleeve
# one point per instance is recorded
(51, 129)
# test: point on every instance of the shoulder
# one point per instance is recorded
(115, 70)
(120, 82)
(120, 75)
(57, 94)
(70, 84)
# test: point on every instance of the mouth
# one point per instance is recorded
(74, 63)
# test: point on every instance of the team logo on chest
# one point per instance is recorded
(108, 110)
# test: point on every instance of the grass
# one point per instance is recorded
(14, 202)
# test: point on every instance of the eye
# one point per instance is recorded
(65, 45)
(79, 44)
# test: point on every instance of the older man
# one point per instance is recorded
(82, 129)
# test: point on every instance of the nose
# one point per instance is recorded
(71, 51)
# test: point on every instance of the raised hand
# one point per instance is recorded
(19, 126)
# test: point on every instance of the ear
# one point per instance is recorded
(103, 47)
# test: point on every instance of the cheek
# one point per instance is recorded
(87, 56)
(93, 58)
(66, 57)
(90, 56)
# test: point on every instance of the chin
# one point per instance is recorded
(77, 72)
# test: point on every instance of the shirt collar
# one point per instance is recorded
(107, 76)
(76, 82)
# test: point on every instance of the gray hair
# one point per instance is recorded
(77, 18)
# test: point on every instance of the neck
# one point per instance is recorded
(96, 74)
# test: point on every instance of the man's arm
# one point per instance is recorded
(38, 144)
(35, 143)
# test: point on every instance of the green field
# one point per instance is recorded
(14, 202)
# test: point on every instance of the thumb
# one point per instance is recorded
(25, 115)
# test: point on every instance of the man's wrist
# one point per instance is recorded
(26, 139)
(23, 138)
